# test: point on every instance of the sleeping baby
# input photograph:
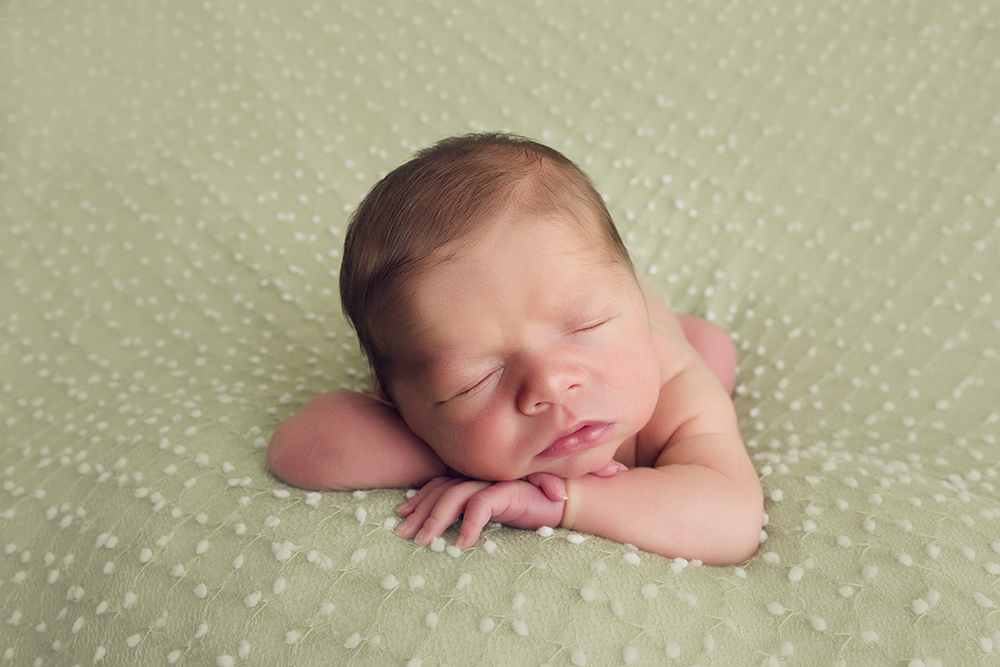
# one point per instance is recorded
(523, 373)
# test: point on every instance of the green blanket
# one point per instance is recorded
(822, 180)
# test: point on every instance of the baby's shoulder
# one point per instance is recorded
(689, 392)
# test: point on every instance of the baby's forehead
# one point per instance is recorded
(438, 329)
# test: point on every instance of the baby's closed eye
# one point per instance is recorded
(592, 324)
(477, 385)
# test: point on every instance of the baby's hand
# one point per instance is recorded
(609, 470)
(531, 503)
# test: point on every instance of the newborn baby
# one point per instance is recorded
(523, 373)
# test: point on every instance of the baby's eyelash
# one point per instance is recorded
(478, 385)
(594, 325)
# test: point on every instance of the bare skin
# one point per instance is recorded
(545, 388)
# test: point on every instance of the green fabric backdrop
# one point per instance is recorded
(821, 179)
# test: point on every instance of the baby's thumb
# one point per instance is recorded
(551, 485)
(610, 470)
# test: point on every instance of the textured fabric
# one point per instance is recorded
(175, 179)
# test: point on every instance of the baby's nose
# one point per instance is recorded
(549, 383)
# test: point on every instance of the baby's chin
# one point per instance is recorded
(580, 465)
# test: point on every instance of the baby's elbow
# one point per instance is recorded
(746, 543)
(284, 456)
(740, 538)
(747, 528)
(293, 458)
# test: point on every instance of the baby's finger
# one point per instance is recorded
(426, 500)
(551, 485)
(478, 512)
(449, 506)
(485, 505)
(411, 503)
(610, 470)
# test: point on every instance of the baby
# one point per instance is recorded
(523, 372)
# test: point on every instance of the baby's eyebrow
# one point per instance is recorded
(438, 365)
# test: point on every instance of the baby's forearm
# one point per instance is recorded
(345, 441)
(687, 511)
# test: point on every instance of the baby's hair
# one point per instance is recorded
(444, 192)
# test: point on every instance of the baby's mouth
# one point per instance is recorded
(584, 437)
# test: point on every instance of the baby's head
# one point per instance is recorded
(415, 216)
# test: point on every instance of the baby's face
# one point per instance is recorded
(527, 352)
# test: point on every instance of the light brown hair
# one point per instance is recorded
(456, 186)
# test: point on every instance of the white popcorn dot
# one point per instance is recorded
(617, 608)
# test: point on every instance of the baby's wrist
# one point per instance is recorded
(572, 502)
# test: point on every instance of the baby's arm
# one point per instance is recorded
(535, 501)
(344, 440)
(701, 500)
(532, 502)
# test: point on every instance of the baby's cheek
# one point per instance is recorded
(463, 449)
